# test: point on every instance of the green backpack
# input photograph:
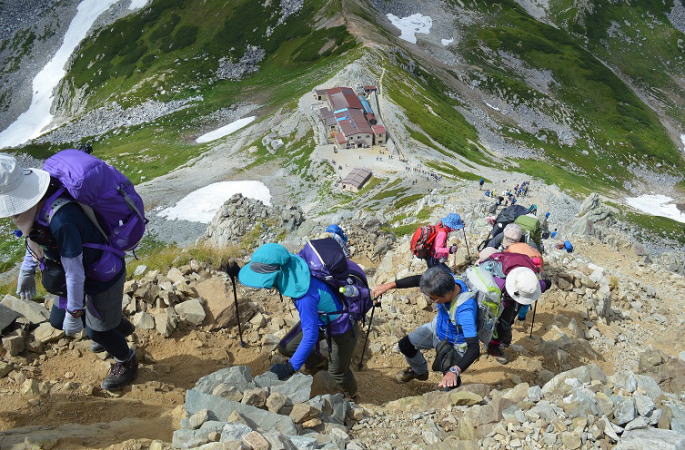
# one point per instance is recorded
(532, 231)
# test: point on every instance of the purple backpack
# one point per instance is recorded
(118, 209)
(327, 262)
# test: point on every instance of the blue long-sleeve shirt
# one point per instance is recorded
(318, 299)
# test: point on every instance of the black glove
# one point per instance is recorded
(283, 370)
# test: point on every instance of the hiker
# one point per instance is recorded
(61, 237)
(554, 233)
(481, 183)
(566, 245)
(512, 233)
(456, 343)
(515, 275)
(272, 266)
(334, 231)
(439, 250)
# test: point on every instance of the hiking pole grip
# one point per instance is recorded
(368, 332)
(232, 270)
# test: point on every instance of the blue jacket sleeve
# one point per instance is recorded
(309, 318)
(467, 317)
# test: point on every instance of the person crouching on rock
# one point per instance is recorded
(58, 232)
(452, 333)
(272, 266)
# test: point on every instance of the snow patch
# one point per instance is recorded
(201, 205)
(137, 4)
(31, 123)
(682, 139)
(446, 42)
(657, 205)
(411, 25)
(491, 106)
(225, 130)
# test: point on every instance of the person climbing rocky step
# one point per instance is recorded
(74, 262)
(452, 333)
(322, 314)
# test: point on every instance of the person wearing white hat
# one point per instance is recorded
(520, 287)
(57, 231)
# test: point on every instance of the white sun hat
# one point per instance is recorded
(20, 188)
(523, 285)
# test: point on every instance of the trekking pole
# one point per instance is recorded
(468, 253)
(532, 322)
(232, 270)
(368, 331)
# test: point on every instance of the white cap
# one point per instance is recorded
(20, 189)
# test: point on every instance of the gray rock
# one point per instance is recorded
(191, 311)
(222, 408)
(625, 380)
(166, 321)
(609, 429)
(624, 410)
(5, 368)
(7, 316)
(187, 438)
(303, 412)
(255, 397)
(239, 377)
(649, 386)
(534, 394)
(32, 311)
(638, 422)
(677, 418)
(234, 432)
(581, 403)
(340, 438)
(644, 404)
(144, 321)
(652, 439)
(549, 412)
(276, 402)
(584, 374)
(571, 440)
(334, 408)
(196, 420)
(279, 441)
(266, 379)
(229, 392)
(304, 442)
(46, 333)
(14, 344)
(297, 388)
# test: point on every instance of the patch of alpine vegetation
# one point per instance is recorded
(171, 43)
(642, 40)
(596, 125)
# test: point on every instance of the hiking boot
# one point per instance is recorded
(121, 374)
(408, 374)
(497, 353)
(96, 348)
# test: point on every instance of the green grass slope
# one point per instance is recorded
(616, 128)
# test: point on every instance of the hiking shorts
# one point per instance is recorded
(104, 310)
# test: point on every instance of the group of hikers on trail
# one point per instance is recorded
(80, 215)
(332, 297)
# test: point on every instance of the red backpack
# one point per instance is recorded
(422, 241)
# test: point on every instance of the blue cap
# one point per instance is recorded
(453, 221)
(337, 230)
(271, 265)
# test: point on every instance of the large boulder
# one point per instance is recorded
(32, 311)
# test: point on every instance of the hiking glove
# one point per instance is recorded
(71, 324)
(26, 285)
(283, 371)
